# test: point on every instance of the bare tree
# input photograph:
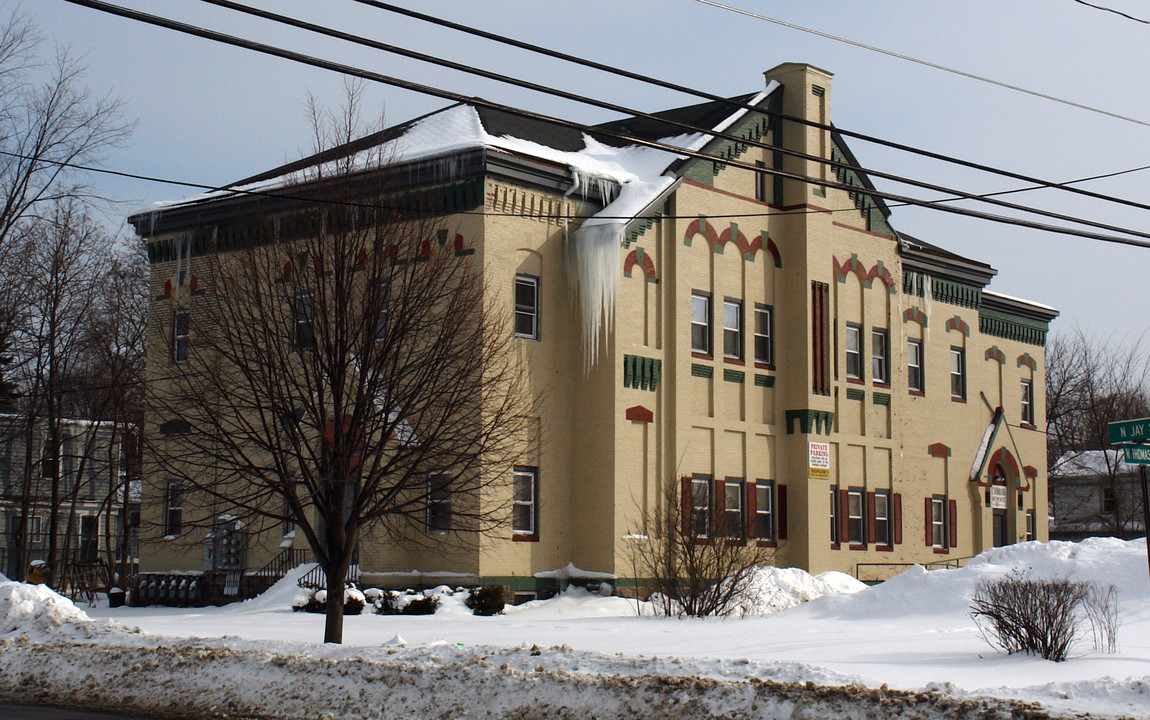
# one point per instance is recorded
(344, 370)
(698, 563)
(50, 124)
(1091, 382)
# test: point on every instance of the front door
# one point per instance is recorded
(999, 522)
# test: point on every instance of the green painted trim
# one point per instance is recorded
(1012, 327)
(641, 373)
(882, 399)
(817, 422)
(734, 376)
(702, 371)
(767, 381)
(954, 293)
(856, 394)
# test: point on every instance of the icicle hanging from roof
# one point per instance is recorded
(593, 264)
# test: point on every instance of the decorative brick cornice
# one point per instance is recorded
(867, 277)
(748, 249)
(640, 257)
(957, 323)
(915, 315)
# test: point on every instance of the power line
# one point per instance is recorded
(927, 63)
(486, 213)
(460, 98)
(619, 72)
(500, 77)
(1112, 10)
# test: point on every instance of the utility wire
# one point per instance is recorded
(499, 77)
(1112, 10)
(485, 213)
(927, 63)
(619, 72)
(460, 98)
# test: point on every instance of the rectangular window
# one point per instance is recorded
(854, 351)
(303, 319)
(765, 509)
(700, 506)
(915, 378)
(938, 521)
(524, 504)
(700, 322)
(761, 179)
(181, 332)
(734, 515)
(527, 307)
(856, 516)
(958, 373)
(764, 334)
(438, 502)
(381, 318)
(1030, 532)
(880, 355)
(1109, 503)
(50, 461)
(834, 514)
(882, 533)
(733, 329)
(1028, 402)
(174, 510)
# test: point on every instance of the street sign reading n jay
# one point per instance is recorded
(1129, 431)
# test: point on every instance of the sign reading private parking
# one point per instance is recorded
(820, 460)
(1129, 431)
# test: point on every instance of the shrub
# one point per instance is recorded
(1018, 613)
(315, 602)
(486, 600)
(421, 606)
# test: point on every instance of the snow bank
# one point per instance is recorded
(772, 589)
(571, 604)
(283, 595)
(946, 592)
(37, 610)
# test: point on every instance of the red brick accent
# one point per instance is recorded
(640, 414)
(938, 450)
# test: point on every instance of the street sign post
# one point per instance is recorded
(1133, 437)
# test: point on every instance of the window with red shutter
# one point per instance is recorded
(752, 510)
(952, 524)
(781, 513)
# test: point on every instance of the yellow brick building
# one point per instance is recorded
(806, 377)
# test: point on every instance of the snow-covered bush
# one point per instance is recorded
(421, 606)
(315, 601)
(486, 600)
(1043, 617)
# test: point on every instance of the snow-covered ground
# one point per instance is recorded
(582, 655)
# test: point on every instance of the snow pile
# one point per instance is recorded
(572, 604)
(37, 610)
(771, 589)
(948, 592)
(283, 595)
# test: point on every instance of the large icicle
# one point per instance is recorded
(593, 270)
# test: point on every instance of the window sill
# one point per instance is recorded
(941, 551)
(884, 548)
(836, 546)
(958, 399)
(916, 393)
(882, 385)
(526, 337)
(1027, 426)
(734, 361)
(525, 538)
(856, 380)
(767, 544)
(858, 547)
(764, 366)
(701, 356)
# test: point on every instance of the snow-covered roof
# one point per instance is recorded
(1091, 463)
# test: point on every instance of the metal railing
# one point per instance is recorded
(284, 561)
(878, 576)
(316, 578)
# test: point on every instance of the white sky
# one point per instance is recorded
(213, 114)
